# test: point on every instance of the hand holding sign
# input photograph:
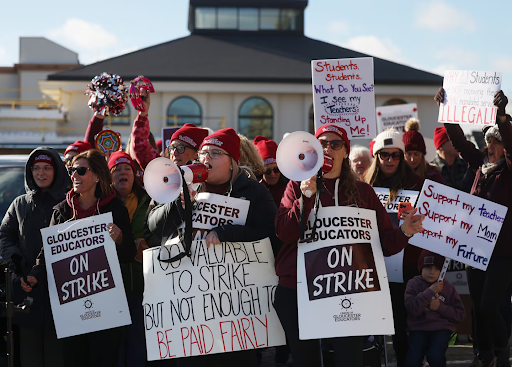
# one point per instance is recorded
(212, 239)
(437, 287)
(413, 223)
(435, 303)
(28, 287)
(500, 101)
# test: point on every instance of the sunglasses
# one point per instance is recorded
(270, 170)
(385, 155)
(80, 170)
(334, 144)
(213, 154)
(180, 149)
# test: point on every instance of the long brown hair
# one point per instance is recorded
(348, 180)
(374, 176)
(99, 166)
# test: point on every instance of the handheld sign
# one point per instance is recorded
(341, 277)
(395, 116)
(107, 142)
(457, 225)
(213, 210)
(167, 135)
(84, 277)
(216, 301)
(468, 97)
(344, 95)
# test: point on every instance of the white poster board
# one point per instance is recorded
(344, 95)
(468, 97)
(457, 225)
(394, 264)
(218, 300)
(456, 274)
(84, 277)
(213, 210)
(341, 277)
(395, 116)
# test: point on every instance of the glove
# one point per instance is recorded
(500, 101)
(439, 98)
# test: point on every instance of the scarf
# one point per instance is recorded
(132, 201)
(488, 168)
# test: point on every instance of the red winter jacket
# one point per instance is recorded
(419, 318)
(140, 147)
(287, 225)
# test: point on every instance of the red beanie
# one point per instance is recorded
(78, 146)
(413, 140)
(440, 136)
(120, 157)
(45, 158)
(190, 134)
(266, 148)
(226, 139)
(159, 145)
(337, 130)
(428, 258)
(371, 144)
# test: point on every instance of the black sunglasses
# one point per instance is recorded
(180, 149)
(80, 170)
(335, 144)
(395, 155)
(270, 170)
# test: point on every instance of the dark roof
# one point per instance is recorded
(240, 58)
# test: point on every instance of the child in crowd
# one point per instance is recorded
(433, 308)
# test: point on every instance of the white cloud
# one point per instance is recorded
(338, 27)
(457, 57)
(439, 16)
(92, 42)
(372, 45)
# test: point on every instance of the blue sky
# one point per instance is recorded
(432, 35)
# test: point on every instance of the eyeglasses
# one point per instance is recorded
(334, 144)
(180, 149)
(80, 170)
(385, 155)
(270, 170)
(67, 160)
(213, 154)
(45, 168)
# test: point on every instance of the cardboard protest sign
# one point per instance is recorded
(84, 277)
(218, 300)
(395, 116)
(344, 95)
(456, 274)
(167, 135)
(213, 210)
(457, 225)
(468, 97)
(341, 277)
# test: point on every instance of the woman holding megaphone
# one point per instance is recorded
(339, 188)
(220, 152)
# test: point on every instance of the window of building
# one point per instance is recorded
(290, 19)
(183, 110)
(206, 18)
(227, 18)
(124, 118)
(256, 118)
(269, 19)
(248, 19)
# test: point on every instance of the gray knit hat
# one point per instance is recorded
(494, 132)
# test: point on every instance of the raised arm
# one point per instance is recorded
(94, 127)
(140, 146)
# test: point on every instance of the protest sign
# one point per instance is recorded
(218, 300)
(468, 97)
(344, 95)
(456, 274)
(213, 210)
(167, 135)
(395, 116)
(84, 277)
(457, 225)
(341, 277)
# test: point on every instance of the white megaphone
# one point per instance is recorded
(162, 178)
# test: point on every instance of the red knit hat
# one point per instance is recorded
(428, 258)
(413, 140)
(190, 134)
(226, 139)
(440, 136)
(370, 145)
(159, 145)
(78, 146)
(120, 157)
(45, 158)
(266, 148)
(336, 130)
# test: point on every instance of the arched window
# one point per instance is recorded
(183, 110)
(311, 120)
(123, 118)
(256, 118)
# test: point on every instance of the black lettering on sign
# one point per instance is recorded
(339, 270)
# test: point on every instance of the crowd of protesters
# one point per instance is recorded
(425, 311)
